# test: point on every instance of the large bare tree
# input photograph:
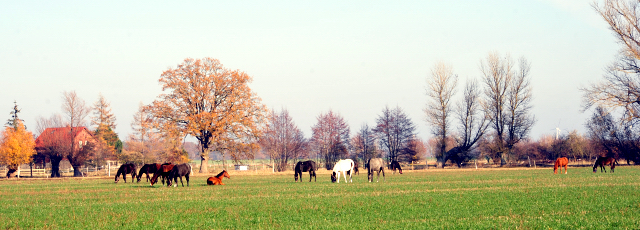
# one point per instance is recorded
(364, 144)
(282, 140)
(75, 111)
(621, 85)
(330, 138)
(508, 101)
(440, 90)
(211, 103)
(394, 130)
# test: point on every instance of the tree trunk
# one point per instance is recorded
(76, 171)
(204, 164)
(55, 166)
(12, 171)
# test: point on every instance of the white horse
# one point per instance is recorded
(343, 166)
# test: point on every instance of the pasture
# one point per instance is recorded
(449, 198)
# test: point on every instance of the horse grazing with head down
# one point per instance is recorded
(344, 166)
(305, 166)
(163, 172)
(181, 170)
(217, 180)
(124, 170)
(560, 162)
(395, 165)
(375, 165)
(148, 169)
(602, 161)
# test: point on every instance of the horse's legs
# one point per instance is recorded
(338, 177)
(310, 175)
(187, 177)
(384, 179)
(565, 169)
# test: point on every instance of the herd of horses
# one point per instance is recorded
(166, 172)
(347, 168)
(169, 172)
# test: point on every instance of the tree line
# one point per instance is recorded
(491, 118)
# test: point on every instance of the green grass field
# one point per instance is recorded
(461, 199)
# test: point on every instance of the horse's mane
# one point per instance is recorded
(221, 173)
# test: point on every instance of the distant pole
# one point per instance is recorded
(109, 165)
(476, 161)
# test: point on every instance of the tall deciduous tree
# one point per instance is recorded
(75, 111)
(621, 85)
(440, 90)
(211, 103)
(394, 130)
(364, 144)
(508, 98)
(17, 147)
(330, 138)
(282, 140)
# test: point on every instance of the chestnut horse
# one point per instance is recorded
(124, 170)
(217, 180)
(395, 165)
(148, 169)
(305, 166)
(163, 172)
(602, 161)
(560, 162)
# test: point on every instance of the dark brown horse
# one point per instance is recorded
(560, 162)
(602, 161)
(305, 166)
(148, 169)
(163, 172)
(355, 168)
(124, 170)
(395, 165)
(217, 180)
(179, 171)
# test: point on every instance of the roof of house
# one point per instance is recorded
(50, 135)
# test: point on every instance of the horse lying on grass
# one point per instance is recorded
(217, 180)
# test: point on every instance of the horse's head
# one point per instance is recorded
(400, 170)
(226, 174)
(333, 177)
(117, 179)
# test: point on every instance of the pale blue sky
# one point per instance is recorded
(353, 57)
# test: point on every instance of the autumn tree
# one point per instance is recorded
(508, 101)
(17, 145)
(282, 139)
(107, 142)
(330, 138)
(143, 143)
(394, 130)
(211, 103)
(440, 90)
(621, 85)
(364, 144)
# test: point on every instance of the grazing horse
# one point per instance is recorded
(355, 168)
(306, 166)
(375, 165)
(344, 166)
(217, 180)
(560, 162)
(602, 161)
(148, 169)
(181, 170)
(124, 170)
(395, 165)
(163, 172)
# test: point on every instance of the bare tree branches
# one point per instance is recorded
(440, 90)
(282, 140)
(394, 130)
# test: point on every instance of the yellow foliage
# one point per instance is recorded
(17, 146)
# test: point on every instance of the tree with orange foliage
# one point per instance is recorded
(17, 146)
(211, 103)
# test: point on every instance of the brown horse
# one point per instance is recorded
(395, 165)
(124, 170)
(217, 180)
(148, 169)
(602, 161)
(164, 171)
(560, 162)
